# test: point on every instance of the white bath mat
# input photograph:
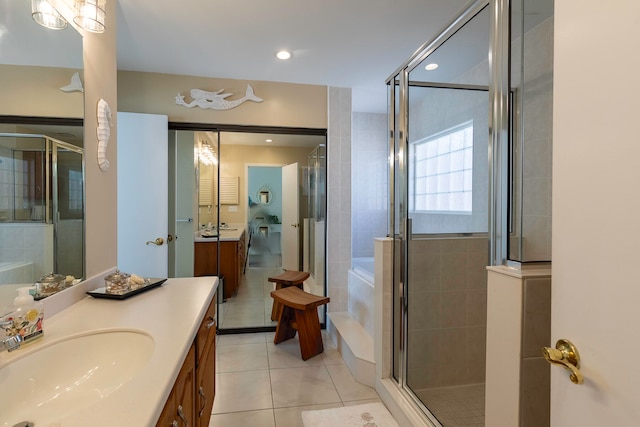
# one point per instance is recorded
(367, 415)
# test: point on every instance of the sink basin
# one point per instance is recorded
(70, 374)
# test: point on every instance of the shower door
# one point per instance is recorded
(440, 223)
(68, 208)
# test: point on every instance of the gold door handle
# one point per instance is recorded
(566, 355)
(158, 242)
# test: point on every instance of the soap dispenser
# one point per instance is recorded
(27, 317)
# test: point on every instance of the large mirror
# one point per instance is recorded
(41, 154)
(258, 207)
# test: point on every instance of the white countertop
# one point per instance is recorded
(170, 314)
(231, 234)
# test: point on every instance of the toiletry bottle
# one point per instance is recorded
(27, 317)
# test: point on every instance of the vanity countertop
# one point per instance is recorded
(170, 314)
(232, 233)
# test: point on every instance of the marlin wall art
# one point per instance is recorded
(215, 100)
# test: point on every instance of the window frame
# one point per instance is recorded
(413, 146)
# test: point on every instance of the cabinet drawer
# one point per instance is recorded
(207, 329)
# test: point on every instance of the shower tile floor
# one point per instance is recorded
(461, 406)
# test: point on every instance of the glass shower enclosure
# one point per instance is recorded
(470, 186)
(41, 208)
(314, 224)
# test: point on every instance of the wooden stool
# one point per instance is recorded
(286, 279)
(298, 311)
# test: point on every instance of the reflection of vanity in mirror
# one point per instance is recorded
(41, 155)
(253, 228)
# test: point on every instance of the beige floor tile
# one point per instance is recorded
(242, 391)
(302, 386)
(242, 357)
(361, 402)
(287, 355)
(348, 388)
(262, 418)
(292, 417)
(236, 339)
(331, 355)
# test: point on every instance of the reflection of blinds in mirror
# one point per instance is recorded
(229, 190)
(206, 192)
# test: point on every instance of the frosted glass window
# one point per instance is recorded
(442, 171)
(75, 190)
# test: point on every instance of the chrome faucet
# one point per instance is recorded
(12, 342)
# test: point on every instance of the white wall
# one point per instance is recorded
(339, 196)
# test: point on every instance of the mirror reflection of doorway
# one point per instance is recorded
(254, 226)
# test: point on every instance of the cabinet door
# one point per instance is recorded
(205, 259)
(207, 330)
(228, 267)
(206, 383)
(184, 389)
(168, 418)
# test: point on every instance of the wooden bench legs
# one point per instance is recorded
(307, 323)
(298, 311)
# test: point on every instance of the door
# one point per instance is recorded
(595, 290)
(290, 218)
(184, 204)
(142, 194)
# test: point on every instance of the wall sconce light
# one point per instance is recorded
(90, 15)
(46, 15)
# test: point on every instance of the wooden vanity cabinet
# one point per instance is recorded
(205, 343)
(232, 256)
(191, 398)
(179, 410)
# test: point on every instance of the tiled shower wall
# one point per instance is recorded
(369, 181)
(536, 146)
(447, 312)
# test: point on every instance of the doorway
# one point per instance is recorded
(236, 206)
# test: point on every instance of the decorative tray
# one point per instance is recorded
(149, 284)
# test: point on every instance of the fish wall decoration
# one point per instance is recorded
(215, 100)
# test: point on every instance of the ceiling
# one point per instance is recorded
(354, 43)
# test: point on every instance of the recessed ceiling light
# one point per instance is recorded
(283, 54)
(431, 67)
(269, 140)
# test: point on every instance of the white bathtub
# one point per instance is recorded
(361, 284)
(364, 267)
(16, 272)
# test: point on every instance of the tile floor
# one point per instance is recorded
(251, 306)
(461, 406)
(261, 384)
